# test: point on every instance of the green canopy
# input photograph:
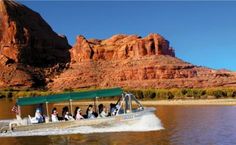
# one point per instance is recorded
(72, 95)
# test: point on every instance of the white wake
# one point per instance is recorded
(5, 121)
(147, 123)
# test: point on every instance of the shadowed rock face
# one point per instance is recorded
(28, 46)
(26, 38)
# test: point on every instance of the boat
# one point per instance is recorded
(128, 111)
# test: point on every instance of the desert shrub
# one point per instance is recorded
(219, 94)
(192, 93)
(68, 90)
(234, 94)
(2, 94)
(184, 92)
(203, 92)
(8, 89)
(9, 94)
(21, 94)
(174, 93)
(162, 94)
(209, 92)
(229, 92)
(31, 93)
(177, 93)
(149, 94)
(137, 93)
(170, 96)
(198, 93)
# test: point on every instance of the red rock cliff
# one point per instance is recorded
(120, 47)
(27, 45)
(26, 38)
(134, 62)
(33, 55)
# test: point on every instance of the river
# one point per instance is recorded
(183, 125)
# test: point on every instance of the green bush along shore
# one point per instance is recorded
(142, 94)
(177, 93)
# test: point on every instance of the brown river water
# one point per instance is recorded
(183, 125)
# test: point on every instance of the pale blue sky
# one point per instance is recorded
(202, 33)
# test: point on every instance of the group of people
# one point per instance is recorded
(66, 115)
(90, 113)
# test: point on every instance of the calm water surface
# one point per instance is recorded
(184, 125)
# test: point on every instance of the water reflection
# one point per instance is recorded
(199, 124)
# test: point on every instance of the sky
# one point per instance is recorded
(201, 32)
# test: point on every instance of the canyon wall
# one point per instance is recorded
(32, 55)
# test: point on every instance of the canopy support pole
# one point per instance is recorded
(19, 110)
(130, 103)
(47, 109)
(71, 107)
(95, 104)
(120, 103)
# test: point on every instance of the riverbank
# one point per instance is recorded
(230, 102)
(174, 96)
(192, 102)
(141, 94)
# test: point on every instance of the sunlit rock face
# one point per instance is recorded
(131, 61)
(32, 55)
(120, 47)
(1, 29)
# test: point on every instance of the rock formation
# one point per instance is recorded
(134, 62)
(27, 41)
(33, 55)
(27, 38)
(156, 71)
(120, 47)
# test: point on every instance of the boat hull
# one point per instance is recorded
(128, 118)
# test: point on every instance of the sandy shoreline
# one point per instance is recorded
(192, 102)
(170, 102)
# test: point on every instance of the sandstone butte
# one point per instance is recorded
(32, 55)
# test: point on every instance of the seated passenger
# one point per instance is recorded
(90, 113)
(112, 109)
(64, 110)
(54, 115)
(78, 115)
(66, 115)
(38, 116)
(40, 108)
(102, 111)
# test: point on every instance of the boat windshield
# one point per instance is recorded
(128, 103)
